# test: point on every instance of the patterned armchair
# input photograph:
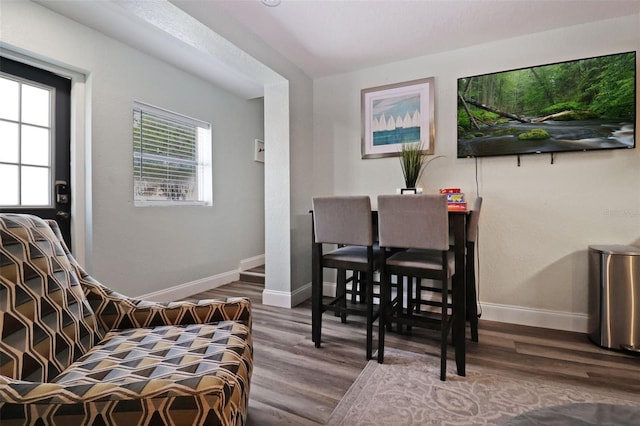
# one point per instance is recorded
(75, 352)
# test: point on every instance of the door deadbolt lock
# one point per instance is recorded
(62, 192)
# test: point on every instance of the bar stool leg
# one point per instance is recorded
(385, 290)
(341, 290)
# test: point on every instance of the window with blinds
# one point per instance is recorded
(171, 158)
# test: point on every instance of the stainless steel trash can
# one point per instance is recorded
(614, 297)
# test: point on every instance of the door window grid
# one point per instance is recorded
(25, 143)
(171, 158)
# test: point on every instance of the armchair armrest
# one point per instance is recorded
(115, 311)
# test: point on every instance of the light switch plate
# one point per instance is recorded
(258, 151)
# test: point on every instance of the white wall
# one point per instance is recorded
(289, 170)
(537, 219)
(142, 250)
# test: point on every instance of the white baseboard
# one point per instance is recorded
(251, 262)
(181, 291)
(328, 289)
(285, 299)
(557, 320)
(281, 299)
(189, 289)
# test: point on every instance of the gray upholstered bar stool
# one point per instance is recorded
(347, 222)
(470, 265)
(420, 224)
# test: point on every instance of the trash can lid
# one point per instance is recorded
(617, 249)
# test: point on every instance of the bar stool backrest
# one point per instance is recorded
(413, 221)
(343, 220)
(474, 219)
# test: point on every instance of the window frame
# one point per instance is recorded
(203, 159)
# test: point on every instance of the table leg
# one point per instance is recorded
(316, 297)
(459, 292)
(316, 288)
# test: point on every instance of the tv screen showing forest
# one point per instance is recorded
(580, 105)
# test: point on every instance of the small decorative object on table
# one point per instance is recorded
(413, 159)
(455, 198)
(409, 191)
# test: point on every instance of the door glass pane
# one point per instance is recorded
(8, 142)
(35, 105)
(9, 99)
(35, 146)
(29, 150)
(35, 186)
(9, 187)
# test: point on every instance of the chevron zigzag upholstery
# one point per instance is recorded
(74, 352)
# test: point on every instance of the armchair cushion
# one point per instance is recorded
(173, 374)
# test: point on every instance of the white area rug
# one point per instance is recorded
(406, 390)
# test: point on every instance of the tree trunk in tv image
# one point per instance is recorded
(579, 105)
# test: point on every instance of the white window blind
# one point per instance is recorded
(171, 158)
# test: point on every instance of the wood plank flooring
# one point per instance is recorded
(293, 383)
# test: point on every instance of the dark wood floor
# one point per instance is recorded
(293, 383)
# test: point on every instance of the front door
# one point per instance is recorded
(35, 155)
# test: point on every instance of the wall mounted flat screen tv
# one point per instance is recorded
(580, 105)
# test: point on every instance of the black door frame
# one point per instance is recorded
(61, 212)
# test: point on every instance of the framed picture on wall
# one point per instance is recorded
(395, 114)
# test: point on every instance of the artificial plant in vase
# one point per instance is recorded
(413, 159)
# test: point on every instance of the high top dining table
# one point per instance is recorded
(458, 226)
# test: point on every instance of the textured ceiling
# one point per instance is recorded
(321, 37)
(325, 37)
